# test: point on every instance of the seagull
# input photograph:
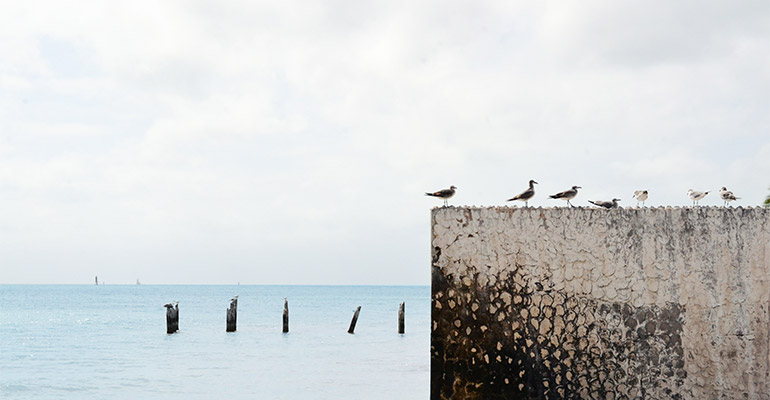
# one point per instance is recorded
(445, 194)
(525, 195)
(727, 195)
(696, 196)
(567, 194)
(640, 195)
(606, 204)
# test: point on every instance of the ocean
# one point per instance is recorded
(110, 342)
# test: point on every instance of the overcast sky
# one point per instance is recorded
(291, 142)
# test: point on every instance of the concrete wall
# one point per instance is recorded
(653, 303)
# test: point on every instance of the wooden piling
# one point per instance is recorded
(285, 315)
(401, 318)
(172, 317)
(354, 320)
(232, 315)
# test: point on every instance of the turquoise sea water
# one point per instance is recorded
(110, 342)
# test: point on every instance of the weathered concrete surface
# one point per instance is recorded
(592, 303)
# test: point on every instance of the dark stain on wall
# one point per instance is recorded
(521, 340)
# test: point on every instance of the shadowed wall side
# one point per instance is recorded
(627, 303)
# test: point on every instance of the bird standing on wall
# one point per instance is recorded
(606, 204)
(727, 195)
(567, 194)
(640, 196)
(525, 195)
(445, 194)
(696, 196)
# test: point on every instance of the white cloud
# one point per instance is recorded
(270, 139)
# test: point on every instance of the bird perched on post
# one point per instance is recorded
(606, 204)
(525, 195)
(445, 194)
(727, 195)
(696, 196)
(640, 196)
(567, 194)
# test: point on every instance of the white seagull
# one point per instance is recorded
(640, 196)
(525, 195)
(567, 194)
(445, 194)
(727, 195)
(696, 196)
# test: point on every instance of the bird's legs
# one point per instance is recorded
(446, 203)
(570, 204)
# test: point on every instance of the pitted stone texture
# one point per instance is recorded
(590, 303)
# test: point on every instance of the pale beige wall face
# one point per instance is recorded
(652, 303)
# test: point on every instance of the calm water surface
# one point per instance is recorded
(109, 342)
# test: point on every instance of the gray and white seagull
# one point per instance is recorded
(696, 196)
(525, 195)
(567, 194)
(727, 195)
(606, 204)
(445, 194)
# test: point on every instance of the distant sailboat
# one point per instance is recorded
(137, 281)
(96, 280)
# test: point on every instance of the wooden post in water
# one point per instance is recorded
(354, 320)
(285, 315)
(401, 318)
(172, 317)
(232, 315)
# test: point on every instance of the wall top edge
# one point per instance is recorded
(710, 209)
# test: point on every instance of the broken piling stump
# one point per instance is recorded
(172, 317)
(401, 318)
(354, 320)
(232, 315)
(285, 315)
